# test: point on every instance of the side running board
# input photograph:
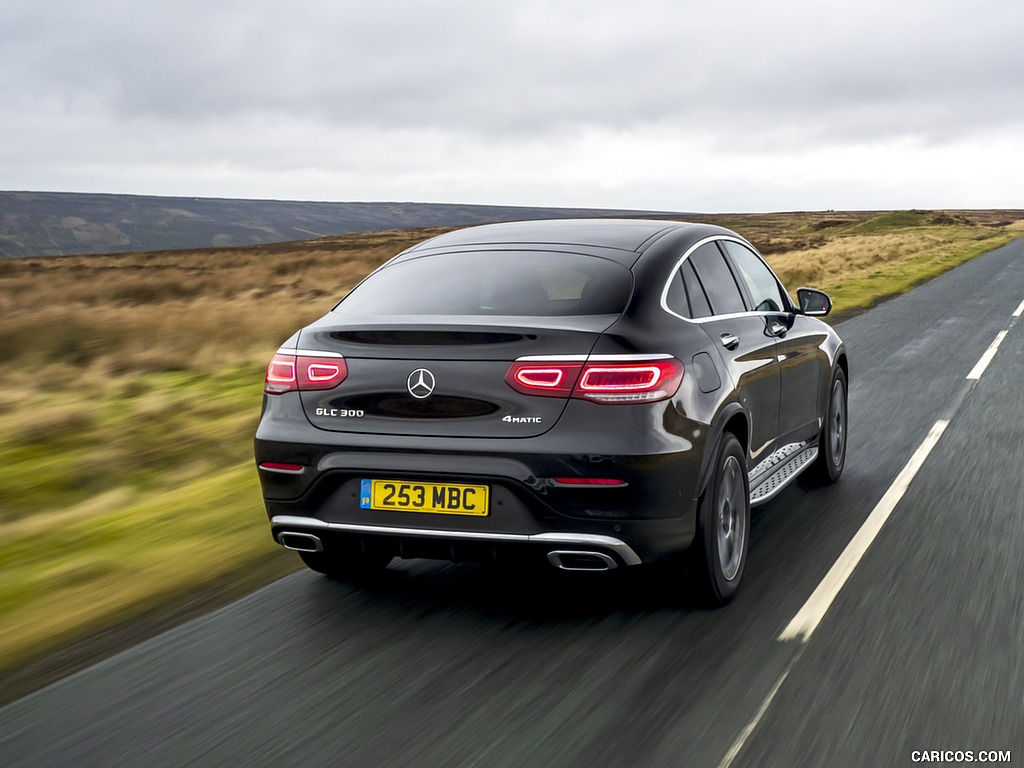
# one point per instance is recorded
(779, 470)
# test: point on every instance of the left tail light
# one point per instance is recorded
(304, 372)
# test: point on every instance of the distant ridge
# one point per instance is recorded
(65, 223)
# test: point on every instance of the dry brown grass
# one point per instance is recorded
(176, 310)
(851, 256)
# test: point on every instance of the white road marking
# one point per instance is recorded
(812, 612)
(737, 745)
(982, 364)
(1020, 310)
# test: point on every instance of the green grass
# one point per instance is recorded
(141, 433)
(895, 220)
(121, 494)
(123, 553)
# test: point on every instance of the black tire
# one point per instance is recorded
(828, 467)
(717, 557)
(347, 566)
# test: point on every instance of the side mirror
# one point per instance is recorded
(813, 303)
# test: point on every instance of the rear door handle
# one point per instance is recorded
(729, 341)
(777, 329)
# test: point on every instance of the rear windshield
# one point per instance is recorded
(494, 283)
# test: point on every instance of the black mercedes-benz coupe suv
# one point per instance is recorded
(590, 393)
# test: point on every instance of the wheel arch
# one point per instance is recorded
(732, 419)
(844, 364)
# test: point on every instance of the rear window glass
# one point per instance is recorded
(494, 283)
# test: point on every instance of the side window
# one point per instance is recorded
(675, 299)
(699, 305)
(761, 283)
(717, 280)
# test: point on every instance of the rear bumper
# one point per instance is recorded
(650, 517)
(618, 551)
(524, 523)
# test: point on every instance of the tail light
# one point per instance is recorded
(304, 372)
(547, 379)
(603, 380)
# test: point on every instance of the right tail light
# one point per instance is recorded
(604, 380)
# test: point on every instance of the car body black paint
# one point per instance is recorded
(770, 388)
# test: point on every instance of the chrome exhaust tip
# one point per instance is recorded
(574, 560)
(300, 542)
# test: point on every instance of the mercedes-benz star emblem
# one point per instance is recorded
(420, 383)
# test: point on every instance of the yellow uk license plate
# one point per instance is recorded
(436, 498)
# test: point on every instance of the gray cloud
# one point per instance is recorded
(260, 88)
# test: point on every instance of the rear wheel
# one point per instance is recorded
(718, 555)
(828, 467)
(346, 566)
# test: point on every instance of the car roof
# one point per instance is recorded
(631, 235)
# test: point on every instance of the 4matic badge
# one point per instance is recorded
(521, 419)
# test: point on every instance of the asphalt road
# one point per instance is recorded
(922, 648)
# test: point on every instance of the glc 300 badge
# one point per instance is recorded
(420, 383)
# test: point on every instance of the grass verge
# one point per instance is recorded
(858, 270)
(114, 558)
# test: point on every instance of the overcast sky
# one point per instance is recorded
(739, 105)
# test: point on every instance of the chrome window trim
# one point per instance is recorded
(686, 255)
(623, 550)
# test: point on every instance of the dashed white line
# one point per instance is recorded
(812, 612)
(737, 745)
(986, 358)
(1020, 310)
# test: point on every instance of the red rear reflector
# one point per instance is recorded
(607, 381)
(288, 373)
(274, 466)
(588, 481)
